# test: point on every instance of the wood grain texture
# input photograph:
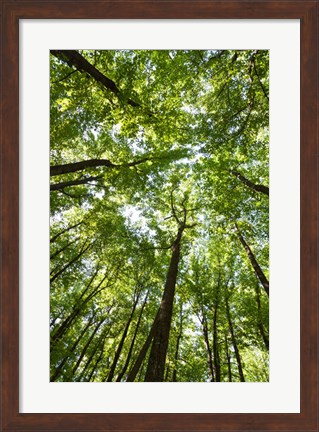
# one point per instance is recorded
(12, 11)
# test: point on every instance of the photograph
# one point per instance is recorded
(159, 215)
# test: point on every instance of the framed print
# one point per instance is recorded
(153, 299)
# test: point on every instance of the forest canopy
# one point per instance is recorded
(159, 201)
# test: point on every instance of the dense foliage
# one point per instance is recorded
(159, 215)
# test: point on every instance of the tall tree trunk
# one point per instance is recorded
(54, 254)
(75, 368)
(230, 376)
(156, 363)
(73, 347)
(142, 354)
(167, 372)
(100, 343)
(260, 323)
(215, 344)
(63, 328)
(178, 341)
(78, 307)
(98, 360)
(208, 350)
(259, 273)
(234, 342)
(129, 354)
(59, 272)
(256, 187)
(120, 347)
(54, 238)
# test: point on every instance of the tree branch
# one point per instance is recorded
(75, 59)
(258, 271)
(173, 208)
(256, 187)
(56, 170)
(62, 185)
(54, 238)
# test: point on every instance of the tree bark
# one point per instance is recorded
(58, 273)
(156, 363)
(129, 354)
(174, 377)
(74, 58)
(167, 371)
(256, 187)
(56, 170)
(178, 340)
(62, 185)
(73, 167)
(208, 350)
(120, 347)
(77, 308)
(215, 344)
(100, 342)
(62, 249)
(98, 360)
(73, 347)
(259, 273)
(234, 342)
(54, 238)
(230, 376)
(260, 323)
(142, 354)
(75, 368)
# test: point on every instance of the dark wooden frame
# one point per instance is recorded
(12, 11)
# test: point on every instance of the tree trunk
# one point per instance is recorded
(120, 347)
(156, 362)
(72, 349)
(78, 307)
(167, 371)
(256, 187)
(260, 323)
(215, 344)
(230, 377)
(75, 368)
(259, 273)
(178, 340)
(101, 342)
(55, 254)
(59, 272)
(142, 354)
(208, 350)
(234, 342)
(129, 354)
(54, 238)
(98, 360)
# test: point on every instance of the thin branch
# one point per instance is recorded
(65, 77)
(173, 208)
(62, 185)
(54, 238)
(259, 80)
